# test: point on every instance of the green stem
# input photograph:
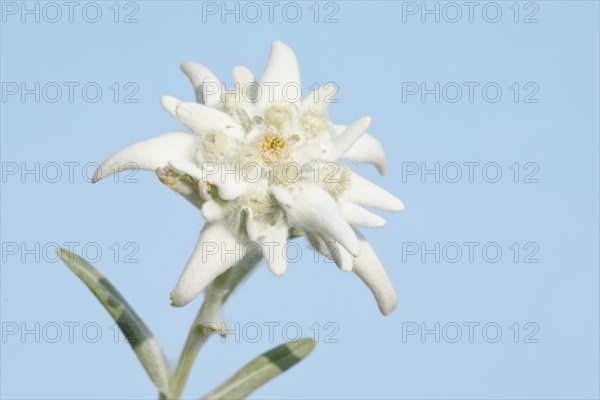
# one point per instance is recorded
(195, 340)
(215, 296)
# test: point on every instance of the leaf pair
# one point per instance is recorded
(255, 374)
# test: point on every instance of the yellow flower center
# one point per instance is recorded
(273, 147)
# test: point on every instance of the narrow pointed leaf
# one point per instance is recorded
(143, 343)
(262, 369)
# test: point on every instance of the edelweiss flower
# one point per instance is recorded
(258, 161)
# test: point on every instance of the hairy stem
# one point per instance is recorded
(206, 322)
(197, 336)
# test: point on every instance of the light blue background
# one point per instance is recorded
(368, 53)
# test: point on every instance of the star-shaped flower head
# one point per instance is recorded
(258, 160)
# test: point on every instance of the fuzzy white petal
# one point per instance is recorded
(229, 190)
(188, 168)
(332, 250)
(349, 137)
(230, 187)
(246, 87)
(368, 267)
(364, 192)
(201, 119)
(272, 238)
(212, 92)
(170, 103)
(367, 149)
(186, 188)
(321, 98)
(343, 258)
(191, 169)
(212, 211)
(242, 76)
(217, 250)
(149, 154)
(356, 215)
(281, 72)
(283, 196)
(314, 209)
(199, 75)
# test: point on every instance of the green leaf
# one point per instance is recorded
(244, 119)
(143, 343)
(262, 369)
(257, 120)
